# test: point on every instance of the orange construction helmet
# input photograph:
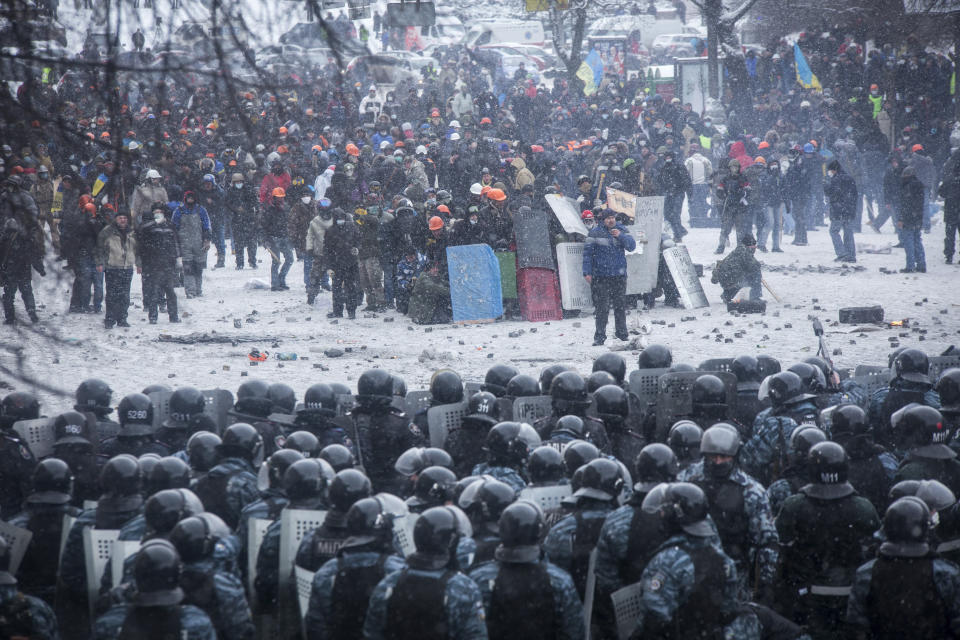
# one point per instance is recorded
(278, 192)
(497, 194)
(436, 222)
(763, 145)
(85, 198)
(352, 150)
(90, 208)
(485, 190)
(282, 131)
(443, 208)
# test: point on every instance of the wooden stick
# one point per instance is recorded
(775, 296)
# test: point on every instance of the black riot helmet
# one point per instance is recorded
(439, 529)
(484, 501)
(283, 399)
(611, 402)
(155, 388)
(273, 468)
(849, 420)
(571, 426)
(948, 386)
(906, 525)
(684, 439)
(578, 453)
(746, 368)
(399, 387)
(523, 386)
(371, 519)
(304, 442)
(655, 356)
(613, 363)
(811, 378)
(19, 405)
(252, 398)
(196, 537)
(374, 384)
(497, 377)
(904, 488)
(823, 365)
(936, 495)
(722, 439)
(893, 356)
(164, 509)
(545, 466)
(338, 456)
(446, 387)
(548, 374)
(782, 389)
(682, 367)
(52, 482)
(167, 473)
(921, 428)
(156, 573)
(320, 398)
(347, 487)
(341, 389)
(768, 365)
(682, 506)
(147, 462)
(568, 393)
(511, 442)
(483, 407)
(912, 365)
(708, 392)
(416, 459)
(93, 395)
(828, 467)
(655, 463)
(202, 450)
(121, 476)
(520, 527)
(599, 379)
(801, 440)
(135, 415)
(241, 440)
(71, 427)
(305, 483)
(601, 480)
(434, 486)
(185, 403)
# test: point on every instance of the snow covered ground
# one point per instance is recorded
(282, 322)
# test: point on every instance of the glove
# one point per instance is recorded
(354, 251)
(180, 263)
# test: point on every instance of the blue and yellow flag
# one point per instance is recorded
(100, 183)
(591, 72)
(804, 75)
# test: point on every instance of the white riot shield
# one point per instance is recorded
(37, 434)
(627, 605)
(256, 530)
(97, 549)
(17, 542)
(547, 498)
(685, 277)
(574, 290)
(122, 549)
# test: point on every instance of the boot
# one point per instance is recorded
(219, 264)
(352, 314)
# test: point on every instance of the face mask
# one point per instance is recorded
(849, 129)
(472, 221)
(348, 170)
(831, 173)
(305, 199)
(908, 109)
(715, 469)
(874, 93)
(341, 222)
(277, 171)
(158, 218)
(238, 185)
(707, 125)
(589, 224)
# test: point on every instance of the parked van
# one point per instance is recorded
(516, 31)
(447, 30)
(633, 29)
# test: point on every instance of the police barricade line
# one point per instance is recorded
(939, 364)
(97, 549)
(715, 364)
(443, 419)
(873, 382)
(17, 542)
(531, 408)
(870, 370)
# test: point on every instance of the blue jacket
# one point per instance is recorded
(604, 255)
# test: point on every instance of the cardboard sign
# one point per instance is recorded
(567, 212)
(685, 276)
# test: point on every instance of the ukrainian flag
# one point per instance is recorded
(804, 75)
(591, 72)
(100, 183)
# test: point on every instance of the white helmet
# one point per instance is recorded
(153, 174)
(476, 188)
(455, 124)
(421, 150)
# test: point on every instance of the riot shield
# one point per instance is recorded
(532, 234)
(219, 402)
(574, 290)
(531, 408)
(443, 419)
(675, 402)
(38, 435)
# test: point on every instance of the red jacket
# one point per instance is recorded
(271, 182)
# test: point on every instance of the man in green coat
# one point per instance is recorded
(739, 269)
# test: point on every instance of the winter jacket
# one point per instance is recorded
(732, 270)
(242, 204)
(78, 239)
(368, 227)
(732, 194)
(462, 103)
(42, 193)
(270, 182)
(842, 193)
(407, 272)
(193, 229)
(338, 246)
(117, 249)
(604, 255)
(911, 202)
(23, 243)
(300, 217)
(699, 169)
(950, 192)
(524, 176)
(417, 174)
(275, 219)
(159, 245)
(673, 179)
(213, 201)
(316, 233)
(141, 200)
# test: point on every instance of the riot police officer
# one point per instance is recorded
(871, 468)
(16, 460)
(568, 396)
(764, 455)
(525, 596)
(413, 461)
(797, 473)
(203, 453)
(426, 595)
(164, 473)
(572, 540)
(906, 592)
(465, 443)
(74, 439)
(923, 435)
(272, 498)
(654, 356)
(910, 383)
(839, 391)
(738, 506)
(186, 408)
(217, 592)
(43, 513)
(382, 431)
(948, 388)
(253, 406)
(22, 615)
(507, 446)
(824, 531)
(135, 437)
(747, 370)
(93, 396)
(709, 398)
(434, 487)
(547, 374)
(319, 416)
(684, 440)
(321, 544)
(545, 467)
(484, 501)
(341, 589)
(338, 456)
(232, 484)
(446, 387)
(613, 407)
(495, 382)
